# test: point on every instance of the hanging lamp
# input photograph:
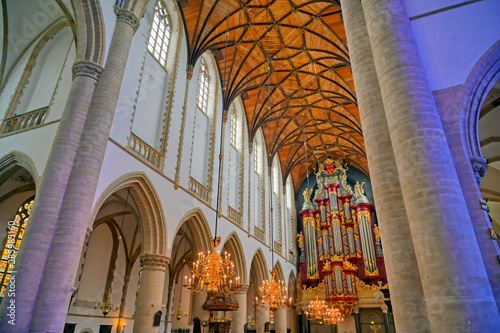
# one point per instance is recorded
(212, 272)
(273, 292)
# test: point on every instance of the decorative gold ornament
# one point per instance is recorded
(106, 306)
(273, 293)
(214, 271)
(333, 316)
(316, 309)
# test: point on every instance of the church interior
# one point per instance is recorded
(286, 166)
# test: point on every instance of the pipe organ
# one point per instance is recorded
(339, 240)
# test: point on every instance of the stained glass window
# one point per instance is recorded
(202, 100)
(160, 34)
(15, 233)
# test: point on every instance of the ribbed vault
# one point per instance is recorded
(303, 94)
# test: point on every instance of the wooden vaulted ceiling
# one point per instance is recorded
(304, 93)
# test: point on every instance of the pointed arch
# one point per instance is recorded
(90, 35)
(199, 228)
(483, 76)
(17, 158)
(152, 221)
(258, 266)
(233, 246)
(279, 271)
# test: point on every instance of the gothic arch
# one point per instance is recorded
(198, 224)
(279, 271)
(259, 266)
(152, 221)
(233, 245)
(483, 76)
(90, 36)
(20, 159)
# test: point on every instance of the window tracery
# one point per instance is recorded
(159, 37)
(204, 81)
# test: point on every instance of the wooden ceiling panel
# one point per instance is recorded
(307, 95)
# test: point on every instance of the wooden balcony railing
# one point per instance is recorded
(145, 151)
(234, 216)
(199, 190)
(23, 121)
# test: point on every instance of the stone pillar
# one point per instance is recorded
(240, 316)
(357, 321)
(410, 311)
(150, 292)
(386, 319)
(454, 281)
(280, 322)
(261, 317)
(292, 320)
(37, 239)
(62, 265)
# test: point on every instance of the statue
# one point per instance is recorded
(359, 189)
(300, 240)
(376, 231)
(338, 166)
(307, 194)
(346, 189)
(320, 191)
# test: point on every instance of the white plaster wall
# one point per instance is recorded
(43, 79)
(95, 270)
(200, 153)
(63, 87)
(11, 83)
(452, 41)
(35, 143)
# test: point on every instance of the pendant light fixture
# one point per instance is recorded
(273, 292)
(212, 272)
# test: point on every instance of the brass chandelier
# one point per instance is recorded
(333, 316)
(317, 309)
(274, 293)
(212, 269)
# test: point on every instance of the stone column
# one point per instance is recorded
(261, 317)
(280, 322)
(357, 321)
(292, 320)
(454, 281)
(410, 311)
(62, 265)
(240, 316)
(150, 292)
(37, 239)
(386, 319)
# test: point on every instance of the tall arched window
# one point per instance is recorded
(15, 234)
(275, 189)
(204, 81)
(160, 34)
(205, 117)
(290, 226)
(232, 134)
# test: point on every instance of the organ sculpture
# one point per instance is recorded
(340, 243)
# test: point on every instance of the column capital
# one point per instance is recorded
(86, 68)
(243, 289)
(479, 167)
(154, 261)
(126, 16)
